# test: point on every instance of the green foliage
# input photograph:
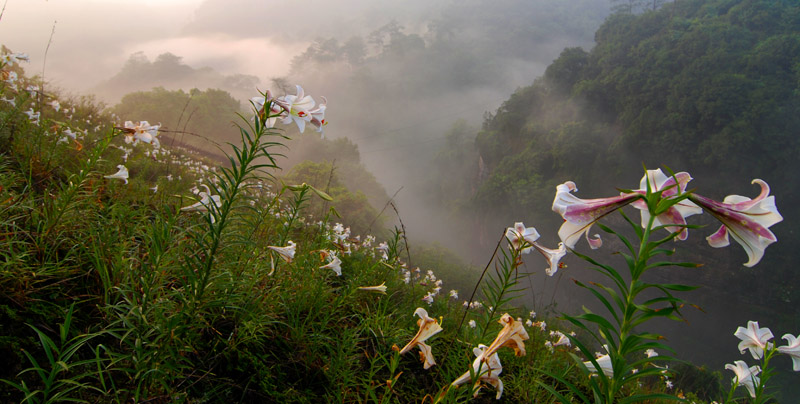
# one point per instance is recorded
(708, 86)
(209, 114)
(168, 71)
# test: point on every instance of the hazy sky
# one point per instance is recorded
(94, 38)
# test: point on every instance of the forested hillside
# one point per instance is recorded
(708, 87)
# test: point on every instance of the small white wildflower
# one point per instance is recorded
(472, 324)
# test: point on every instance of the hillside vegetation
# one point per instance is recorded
(710, 87)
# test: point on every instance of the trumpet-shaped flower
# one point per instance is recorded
(580, 214)
(519, 235)
(121, 174)
(428, 327)
(753, 338)
(379, 288)
(206, 200)
(287, 252)
(604, 361)
(746, 220)
(512, 335)
(792, 349)
(335, 265)
(669, 188)
(486, 368)
(318, 115)
(562, 339)
(745, 376)
(553, 257)
(297, 107)
(271, 116)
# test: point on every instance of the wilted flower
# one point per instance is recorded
(792, 349)
(428, 327)
(746, 220)
(753, 338)
(512, 335)
(745, 376)
(380, 288)
(486, 367)
(121, 174)
(675, 214)
(580, 214)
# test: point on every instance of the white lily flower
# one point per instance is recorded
(604, 361)
(792, 349)
(287, 252)
(335, 265)
(380, 288)
(753, 338)
(121, 174)
(486, 367)
(298, 108)
(519, 235)
(745, 376)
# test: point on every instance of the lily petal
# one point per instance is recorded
(746, 220)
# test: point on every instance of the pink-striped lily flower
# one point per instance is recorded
(121, 174)
(753, 338)
(298, 108)
(553, 257)
(746, 220)
(677, 213)
(519, 235)
(745, 376)
(792, 349)
(580, 214)
(486, 367)
(428, 327)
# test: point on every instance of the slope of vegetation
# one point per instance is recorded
(181, 280)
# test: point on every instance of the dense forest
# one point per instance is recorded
(709, 87)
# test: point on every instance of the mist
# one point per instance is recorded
(397, 76)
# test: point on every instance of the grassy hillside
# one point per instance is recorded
(137, 272)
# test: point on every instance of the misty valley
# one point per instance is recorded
(538, 201)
